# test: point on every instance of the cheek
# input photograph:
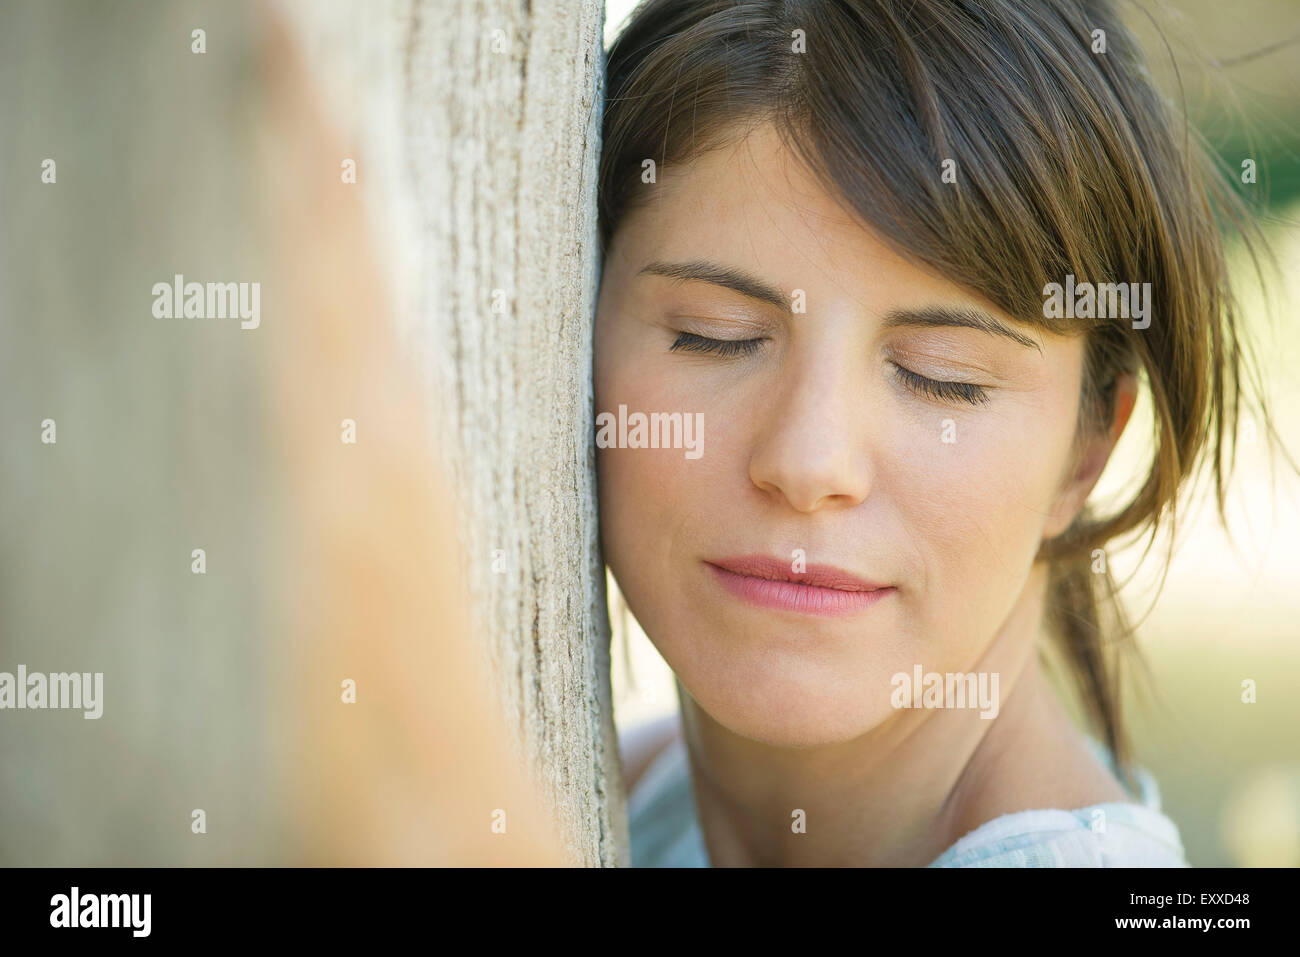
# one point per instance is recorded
(651, 498)
(975, 509)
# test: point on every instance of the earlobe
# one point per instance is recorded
(1092, 458)
(1126, 391)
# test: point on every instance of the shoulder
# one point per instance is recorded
(1119, 829)
(663, 827)
(641, 745)
(1104, 835)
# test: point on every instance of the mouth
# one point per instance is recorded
(814, 590)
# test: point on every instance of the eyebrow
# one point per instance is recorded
(965, 317)
(719, 275)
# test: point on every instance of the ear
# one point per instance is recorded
(1091, 459)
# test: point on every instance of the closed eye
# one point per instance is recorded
(726, 348)
(943, 391)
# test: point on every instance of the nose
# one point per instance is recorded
(813, 451)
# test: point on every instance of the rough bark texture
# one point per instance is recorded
(476, 135)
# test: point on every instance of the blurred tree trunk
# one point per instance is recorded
(475, 155)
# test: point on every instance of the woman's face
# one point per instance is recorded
(820, 447)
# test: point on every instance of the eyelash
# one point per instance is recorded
(930, 388)
(943, 391)
(726, 348)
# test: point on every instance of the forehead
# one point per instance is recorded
(754, 205)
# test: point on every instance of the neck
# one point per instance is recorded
(898, 795)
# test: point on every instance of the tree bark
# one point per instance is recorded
(475, 128)
(326, 562)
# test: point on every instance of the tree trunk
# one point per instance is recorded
(476, 131)
(469, 232)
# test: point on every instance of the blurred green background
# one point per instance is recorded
(1229, 610)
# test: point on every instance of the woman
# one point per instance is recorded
(902, 265)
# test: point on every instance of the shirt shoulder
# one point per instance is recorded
(662, 822)
(665, 831)
(1102, 835)
(1112, 834)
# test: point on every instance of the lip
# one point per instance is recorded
(818, 590)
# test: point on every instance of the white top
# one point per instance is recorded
(665, 831)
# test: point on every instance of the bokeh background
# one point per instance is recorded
(1229, 609)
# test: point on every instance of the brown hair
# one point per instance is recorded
(1068, 163)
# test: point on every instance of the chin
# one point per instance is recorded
(774, 702)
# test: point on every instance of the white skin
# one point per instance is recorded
(813, 442)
